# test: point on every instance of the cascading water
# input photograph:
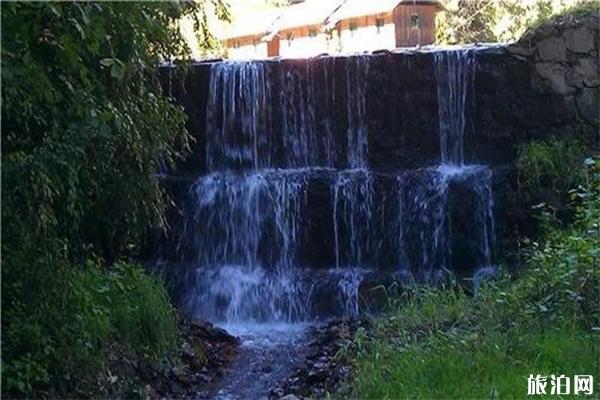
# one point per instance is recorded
(247, 230)
(357, 70)
(352, 211)
(455, 77)
(262, 115)
(239, 94)
(272, 133)
(454, 73)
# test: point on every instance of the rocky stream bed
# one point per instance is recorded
(259, 361)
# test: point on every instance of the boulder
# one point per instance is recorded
(588, 104)
(580, 40)
(552, 49)
(555, 75)
(587, 69)
(212, 333)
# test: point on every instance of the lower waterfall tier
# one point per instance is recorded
(267, 244)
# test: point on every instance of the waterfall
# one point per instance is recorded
(237, 115)
(349, 284)
(289, 182)
(423, 223)
(482, 185)
(356, 74)
(246, 231)
(235, 212)
(352, 212)
(454, 72)
(299, 118)
(268, 114)
(455, 76)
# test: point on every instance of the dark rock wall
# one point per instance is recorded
(188, 86)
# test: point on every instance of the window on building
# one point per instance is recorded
(379, 24)
(290, 38)
(415, 23)
(312, 32)
(352, 27)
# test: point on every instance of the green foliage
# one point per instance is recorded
(85, 128)
(425, 309)
(143, 315)
(85, 122)
(554, 163)
(67, 320)
(443, 343)
(472, 21)
(466, 21)
(580, 8)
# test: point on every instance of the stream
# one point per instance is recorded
(268, 354)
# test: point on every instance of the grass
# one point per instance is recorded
(462, 364)
(445, 343)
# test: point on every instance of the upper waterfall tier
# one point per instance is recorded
(378, 111)
(262, 116)
(454, 74)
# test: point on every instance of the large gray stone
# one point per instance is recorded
(589, 105)
(580, 40)
(555, 75)
(552, 49)
(521, 50)
(587, 69)
(573, 78)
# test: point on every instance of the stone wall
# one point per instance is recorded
(564, 58)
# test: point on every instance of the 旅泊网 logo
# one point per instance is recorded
(560, 385)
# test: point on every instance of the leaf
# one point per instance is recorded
(117, 71)
(107, 62)
(105, 131)
(55, 11)
(78, 27)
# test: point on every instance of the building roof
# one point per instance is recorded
(265, 23)
(358, 8)
(309, 12)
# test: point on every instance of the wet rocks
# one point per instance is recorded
(326, 369)
(203, 355)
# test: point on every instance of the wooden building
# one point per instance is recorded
(331, 26)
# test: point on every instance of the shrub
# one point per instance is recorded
(554, 163)
(85, 128)
(141, 311)
(59, 338)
